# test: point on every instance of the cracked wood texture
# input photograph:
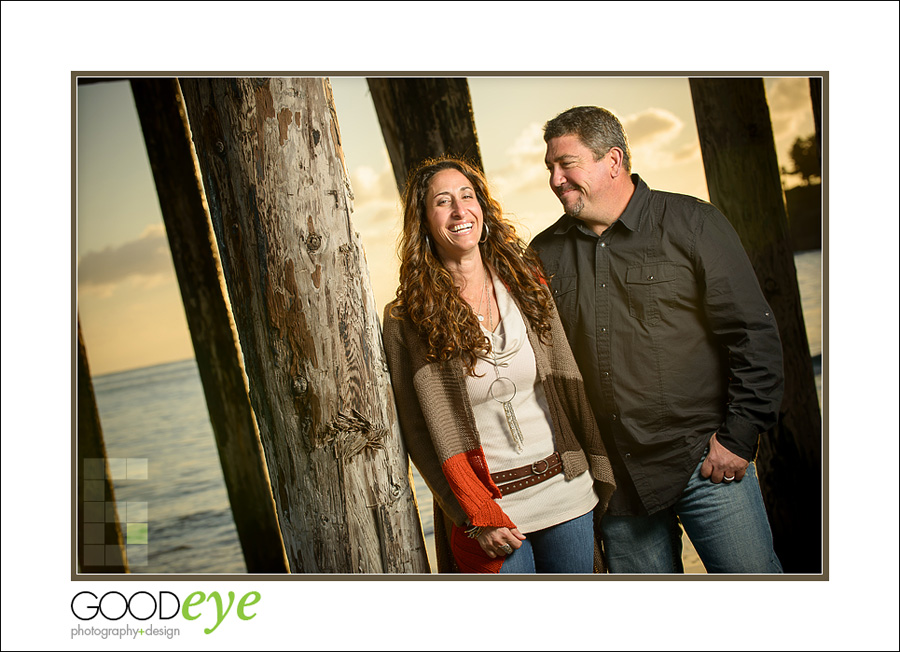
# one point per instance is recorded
(738, 150)
(193, 244)
(280, 202)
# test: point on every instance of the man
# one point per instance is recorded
(678, 348)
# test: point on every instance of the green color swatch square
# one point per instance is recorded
(136, 533)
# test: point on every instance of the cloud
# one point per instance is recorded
(369, 185)
(687, 153)
(789, 95)
(652, 134)
(652, 128)
(377, 219)
(528, 144)
(146, 260)
(376, 210)
(790, 108)
(524, 170)
(378, 223)
(375, 199)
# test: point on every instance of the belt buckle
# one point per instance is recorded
(534, 467)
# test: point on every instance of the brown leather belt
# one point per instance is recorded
(530, 474)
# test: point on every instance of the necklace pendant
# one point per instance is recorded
(480, 317)
(513, 424)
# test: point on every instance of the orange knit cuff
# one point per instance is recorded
(489, 514)
(475, 494)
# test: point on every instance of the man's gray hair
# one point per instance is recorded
(598, 129)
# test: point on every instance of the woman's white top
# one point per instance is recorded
(553, 501)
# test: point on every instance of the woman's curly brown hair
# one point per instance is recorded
(427, 294)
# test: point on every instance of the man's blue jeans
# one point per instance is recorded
(564, 548)
(727, 524)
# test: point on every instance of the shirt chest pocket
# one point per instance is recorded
(651, 291)
(563, 288)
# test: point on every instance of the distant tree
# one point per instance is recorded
(805, 155)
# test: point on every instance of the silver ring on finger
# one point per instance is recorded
(728, 480)
(506, 548)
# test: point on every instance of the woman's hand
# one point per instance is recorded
(493, 539)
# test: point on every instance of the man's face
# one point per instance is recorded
(578, 180)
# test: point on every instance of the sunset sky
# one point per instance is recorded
(129, 303)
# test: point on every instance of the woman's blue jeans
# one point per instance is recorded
(727, 524)
(564, 548)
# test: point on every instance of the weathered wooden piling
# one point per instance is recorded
(424, 117)
(738, 149)
(100, 546)
(197, 267)
(280, 202)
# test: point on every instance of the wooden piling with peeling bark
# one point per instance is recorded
(197, 267)
(280, 203)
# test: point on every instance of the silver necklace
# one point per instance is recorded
(503, 390)
(481, 300)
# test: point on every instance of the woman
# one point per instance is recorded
(490, 401)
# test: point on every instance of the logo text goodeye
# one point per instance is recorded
(165, 605)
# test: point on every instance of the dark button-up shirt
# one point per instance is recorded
(672, 335)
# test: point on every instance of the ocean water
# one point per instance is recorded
(158, 414)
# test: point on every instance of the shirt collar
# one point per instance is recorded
(563, 224)
(631, 217)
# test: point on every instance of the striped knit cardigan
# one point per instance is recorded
(439, 430)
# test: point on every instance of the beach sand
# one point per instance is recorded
(689, 557)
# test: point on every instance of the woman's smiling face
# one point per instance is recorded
(453, 214)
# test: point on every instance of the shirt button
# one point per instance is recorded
(603, 285)
(627, 455)
(650, 278)
(602, 330)
(606, 373)
(613, 417)
(602, 244)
